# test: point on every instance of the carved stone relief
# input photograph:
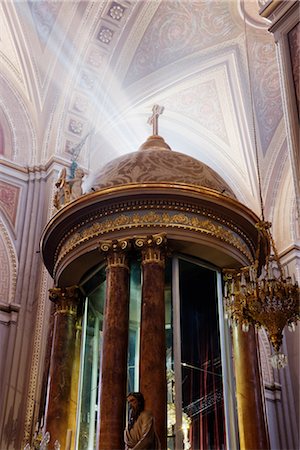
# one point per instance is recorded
(9, 199)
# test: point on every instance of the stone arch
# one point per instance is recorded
(9, 267)
(19, 134)
(1, 140)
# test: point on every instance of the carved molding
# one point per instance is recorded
(158, 219)
(9, 266)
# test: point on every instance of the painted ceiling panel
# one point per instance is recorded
(94, 69)
(9, 58)
(265, 85)
(178, 29)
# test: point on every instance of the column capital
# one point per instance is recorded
(65, 299)
(116, 252)
(153, 248)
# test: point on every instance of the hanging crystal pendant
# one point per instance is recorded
(263, 297)
(279, 360)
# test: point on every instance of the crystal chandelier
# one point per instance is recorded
(263, 297)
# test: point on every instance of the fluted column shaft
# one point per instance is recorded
(61, 365)
(115, 348)
(251, 415)
(153, 340)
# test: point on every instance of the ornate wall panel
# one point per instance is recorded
(265, 86)
(9, 200)
(294, 42)
(9, 266)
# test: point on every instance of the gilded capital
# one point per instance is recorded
(66, 299)
(153, 248)
(116, 252)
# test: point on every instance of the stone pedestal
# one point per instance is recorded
(251, 415)
(153, 340)
(60, 407)
(115, 348)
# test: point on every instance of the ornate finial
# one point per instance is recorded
(153, 120)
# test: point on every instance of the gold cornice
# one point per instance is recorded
(115, 191)
(155, 188)
(88, 216)
(158, 219)
(152, 205)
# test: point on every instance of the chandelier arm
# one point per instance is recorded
(276, 255)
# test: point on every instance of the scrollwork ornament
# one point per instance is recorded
(66, 299)
(162, 219)
(139, 242)
(153, 248)
(124, 245)
(116, 251)
(105, 246)
(158, 239)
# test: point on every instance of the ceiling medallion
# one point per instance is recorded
(116, 11)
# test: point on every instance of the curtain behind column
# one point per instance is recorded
(202, 391)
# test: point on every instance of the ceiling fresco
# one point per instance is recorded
(86, 74)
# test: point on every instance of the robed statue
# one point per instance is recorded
(140, 433)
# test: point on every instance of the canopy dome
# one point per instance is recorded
(155, 162)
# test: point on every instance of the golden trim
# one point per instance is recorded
(106, 203)
(153, 248)
(269, 8)
(161, 219)
(115, 191)
(66, 299)
(116, 252)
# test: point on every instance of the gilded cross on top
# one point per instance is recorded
(153, 120)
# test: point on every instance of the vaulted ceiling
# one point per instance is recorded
(89, 72)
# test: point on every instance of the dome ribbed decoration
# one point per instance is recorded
(155, 162)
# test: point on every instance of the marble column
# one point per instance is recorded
(152, 340)
(60, 403)
(115, 347)
(249, 393)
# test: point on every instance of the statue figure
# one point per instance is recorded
(140, 432)
(62, 194)
(68, 190)
(76, 184)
